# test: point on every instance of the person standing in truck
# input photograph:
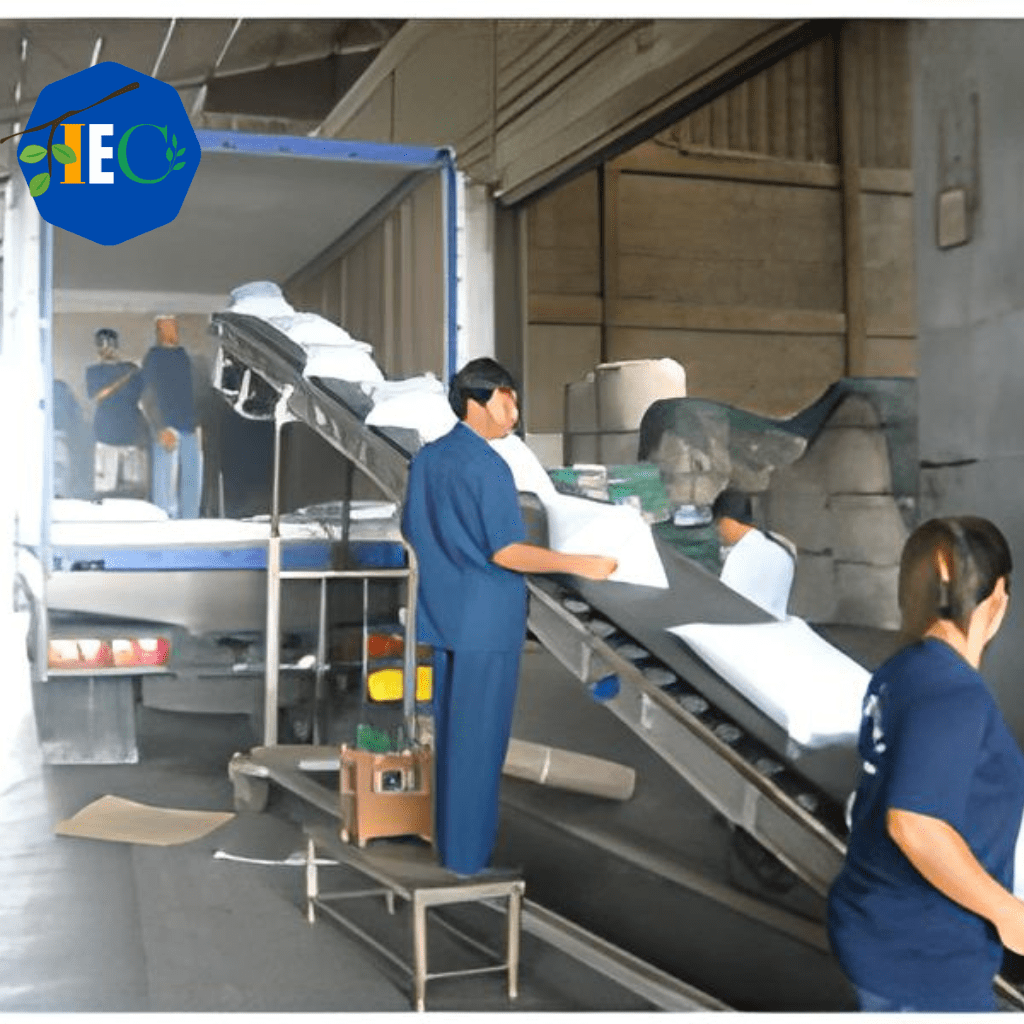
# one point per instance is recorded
(462, 518)
(115, 385)
(169, 404)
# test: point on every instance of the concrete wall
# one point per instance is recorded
(968, 126)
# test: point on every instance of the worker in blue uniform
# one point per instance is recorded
(462, 518)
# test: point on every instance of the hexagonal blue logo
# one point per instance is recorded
(109, 153)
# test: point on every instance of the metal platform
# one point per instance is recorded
(411, 872)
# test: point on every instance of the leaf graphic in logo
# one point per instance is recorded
(178, 166)
(39, 184)
(170, 155)
(64, 154)
(174, 140)
(32, 154)
(181, 152)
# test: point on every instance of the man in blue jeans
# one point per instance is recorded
(171, 410)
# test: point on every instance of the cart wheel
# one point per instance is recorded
(251, 794)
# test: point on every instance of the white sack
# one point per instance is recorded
(577, 526)
(426, 384)
(527, 471)
(429, 414)
(344, 362)
(798, 679)
(315, 333)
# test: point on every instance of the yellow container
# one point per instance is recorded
(386, 684)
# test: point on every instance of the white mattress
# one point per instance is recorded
(99, 525)
(798, 679)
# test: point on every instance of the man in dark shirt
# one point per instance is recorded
(119, 462)
(462, 518)
(170, 408)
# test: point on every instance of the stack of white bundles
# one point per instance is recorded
(106, 510)
(797, 678)
(330, 350)
(260, 298)
(578, 526)
(418, 403)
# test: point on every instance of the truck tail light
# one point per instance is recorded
(89, 653)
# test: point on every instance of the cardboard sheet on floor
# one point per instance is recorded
(117, 820)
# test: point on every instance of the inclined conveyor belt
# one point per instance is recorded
(790, 799)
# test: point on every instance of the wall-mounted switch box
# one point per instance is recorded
(953, 220)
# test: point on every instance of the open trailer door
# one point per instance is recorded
(363, 233)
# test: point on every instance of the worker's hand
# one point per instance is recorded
(168, 439)
(596, 567)
(1010, 925)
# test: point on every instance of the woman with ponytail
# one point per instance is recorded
(923, 907)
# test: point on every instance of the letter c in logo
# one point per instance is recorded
(122, 154)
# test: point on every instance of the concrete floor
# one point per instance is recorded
(94, 926)
(87, 925)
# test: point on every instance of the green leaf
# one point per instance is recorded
(174, 140)
(180, 152)
(32, 154)
(170, 155)
(178, 167)
(64, 154)
(39, 184)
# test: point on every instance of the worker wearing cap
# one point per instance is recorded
(171, 411)
(462, 518)
(759, 565)
(115, 384)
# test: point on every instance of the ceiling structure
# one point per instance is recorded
(289, 70)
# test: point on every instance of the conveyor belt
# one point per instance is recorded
(790, 799)
(741, 761)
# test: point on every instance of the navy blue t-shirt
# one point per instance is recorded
(933, 742)
(118, 419)
(461, 507)
(168, 371)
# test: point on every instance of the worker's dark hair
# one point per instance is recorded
(105, 336)
(734, 504)
(976, 556)
(478, 379)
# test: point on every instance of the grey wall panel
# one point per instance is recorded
(968, 123)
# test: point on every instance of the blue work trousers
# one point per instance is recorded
(178, 476)
(474, 696)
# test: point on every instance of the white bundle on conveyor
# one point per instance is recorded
(419, 403)
(797, 678)
(576, 525)
(579, 526)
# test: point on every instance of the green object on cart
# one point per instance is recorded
(369, 738)
(641, 481)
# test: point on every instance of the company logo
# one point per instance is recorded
(108, 153)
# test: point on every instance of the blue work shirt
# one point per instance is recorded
(460, 508)
(933, 742)
(167, 369)
(118, 419)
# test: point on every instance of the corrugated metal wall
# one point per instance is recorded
(388, 289)
(720, 241)
(523, 102)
